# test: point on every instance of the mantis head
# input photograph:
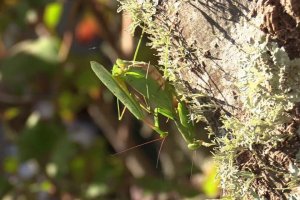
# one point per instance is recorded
(120, 67)
(117, 71)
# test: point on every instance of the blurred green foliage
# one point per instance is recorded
(52, 14)
(52, 143)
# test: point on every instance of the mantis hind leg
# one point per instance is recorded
(156, 124)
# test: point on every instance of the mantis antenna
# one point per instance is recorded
(134, 147)
(159, 151)
(147, 87)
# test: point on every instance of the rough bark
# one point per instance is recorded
(236, 63)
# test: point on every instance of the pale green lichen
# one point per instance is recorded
(264, 101)
(141, 13)
(269, 88)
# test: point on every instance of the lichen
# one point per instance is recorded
(269, 88)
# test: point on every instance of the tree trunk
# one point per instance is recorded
(237, 65)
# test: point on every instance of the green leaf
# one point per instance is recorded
(10, 164)
(52, 14)
(39, 141)
(44, 48)
(5, 186)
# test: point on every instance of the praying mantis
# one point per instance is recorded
(142, 89)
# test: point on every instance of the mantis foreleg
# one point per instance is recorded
(120, 114)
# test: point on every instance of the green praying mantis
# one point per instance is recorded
(142, 89)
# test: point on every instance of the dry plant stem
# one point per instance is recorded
(65, 45)
(68, 32)
(108, 34)
(3, 50)
(126, 40)
(120, 138)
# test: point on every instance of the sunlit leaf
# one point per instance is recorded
(29, 63)
(52, 14)
(63, 152)
(10, 164)
(39, 141)
(33, 119)
(94, 92)
(77, 166)
(69, 103)
(45, 48)
(67, 115)
(51, 169)
(95, 190)
(211, 184)
(46, 186)
(11, 113)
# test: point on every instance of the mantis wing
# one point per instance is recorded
(151, 89)
(107, 79)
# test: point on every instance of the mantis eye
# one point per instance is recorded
(116, 71)
(195, 145)
(120, 63)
